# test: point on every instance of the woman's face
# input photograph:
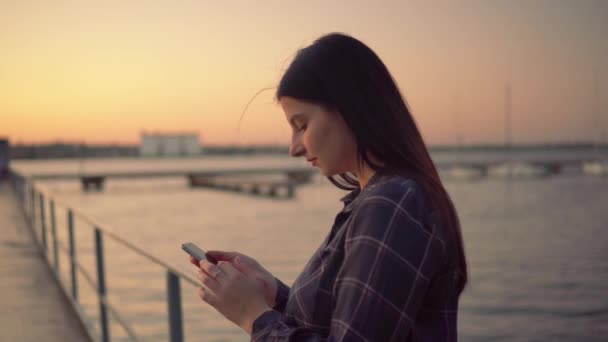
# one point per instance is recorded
(320, 136)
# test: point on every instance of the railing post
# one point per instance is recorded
(22, 191)
(19, 180)
(290, 190)
(23, 184)
(28, 201)
(33, 208)
(54, 236)
(175, 308)
(101, 286)
(72, 254)
(43, 223)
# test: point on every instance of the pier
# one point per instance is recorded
(37, 305)
(235, 180)
(273, 189)
(34, 308)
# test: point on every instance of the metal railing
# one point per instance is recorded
(33, 199)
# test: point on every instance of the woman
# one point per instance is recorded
(393, 266)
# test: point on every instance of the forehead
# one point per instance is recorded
(292, 106)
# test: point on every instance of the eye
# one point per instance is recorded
(302, 128)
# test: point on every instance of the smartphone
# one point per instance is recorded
(197, 252)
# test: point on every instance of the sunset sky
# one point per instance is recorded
(101, 72)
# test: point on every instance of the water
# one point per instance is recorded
(536, 248)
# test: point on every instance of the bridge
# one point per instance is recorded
(239, 179)
(220, 179)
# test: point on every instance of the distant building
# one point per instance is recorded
(169, 145)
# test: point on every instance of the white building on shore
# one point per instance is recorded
(169, 144)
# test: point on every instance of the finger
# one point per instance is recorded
(222, 255)
(207, 296)
(229, 269)
(243, 265)
(208, 281)
(211, 269)
(193, 261)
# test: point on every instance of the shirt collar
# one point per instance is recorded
(350, 196)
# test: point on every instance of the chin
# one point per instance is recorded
(329, 173)
(335, 170)
(325, 173)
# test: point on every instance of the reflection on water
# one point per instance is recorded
(536, 248)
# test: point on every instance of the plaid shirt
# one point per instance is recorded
(385, 272)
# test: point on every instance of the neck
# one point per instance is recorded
(365, 172)
(364, 175)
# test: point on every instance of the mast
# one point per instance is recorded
(508, 116)
(455, 122)
(597, 111)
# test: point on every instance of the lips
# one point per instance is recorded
(313, 161)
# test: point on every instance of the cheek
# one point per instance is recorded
(331, 141)
(343, 146)
(317, 138)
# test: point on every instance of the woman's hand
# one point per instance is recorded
(250, 267)
(232, 293)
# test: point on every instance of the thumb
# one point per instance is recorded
(222, 256)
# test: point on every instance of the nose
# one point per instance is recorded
(296, 149)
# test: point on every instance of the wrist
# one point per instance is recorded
(274, 289)
(255, 314)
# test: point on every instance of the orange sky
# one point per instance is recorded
(102, 72)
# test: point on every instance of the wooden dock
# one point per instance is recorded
(272, 189)
(34, 308)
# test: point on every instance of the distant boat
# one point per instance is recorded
(518, 170)
(599, 166)
(596, 168)
(513, 169)
(462, 173)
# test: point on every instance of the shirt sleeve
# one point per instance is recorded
(389, 260)
(281, 297)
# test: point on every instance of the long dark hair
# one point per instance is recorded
(341, 73)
